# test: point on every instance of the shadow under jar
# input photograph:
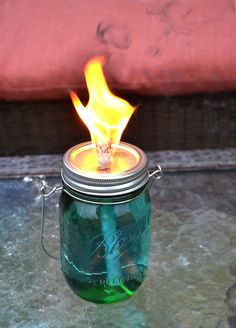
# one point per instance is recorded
(105, 223)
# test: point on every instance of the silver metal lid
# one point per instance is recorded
(128, 170)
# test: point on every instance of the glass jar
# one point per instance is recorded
(105, 225)
(105, 244)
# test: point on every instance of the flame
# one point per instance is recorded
(105, 115)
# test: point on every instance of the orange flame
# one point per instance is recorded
(105, 115)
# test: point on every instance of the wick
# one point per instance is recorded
(104, 155)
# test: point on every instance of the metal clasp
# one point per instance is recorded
(45, 192)
(157, 173)
(154, 176)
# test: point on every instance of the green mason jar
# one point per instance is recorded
(105, 244)
(105, 223)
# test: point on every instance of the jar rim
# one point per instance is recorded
(105, 184)
(104, 200)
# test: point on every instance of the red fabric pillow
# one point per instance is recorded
(154, 47)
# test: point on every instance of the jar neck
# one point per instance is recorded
(109, 200)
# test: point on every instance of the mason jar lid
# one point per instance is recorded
(127, 171)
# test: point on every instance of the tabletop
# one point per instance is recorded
(191, 281)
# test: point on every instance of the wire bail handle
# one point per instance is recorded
(154, 176)
(157, 173)
(46, 191)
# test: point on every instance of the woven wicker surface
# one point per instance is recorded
(160, 123)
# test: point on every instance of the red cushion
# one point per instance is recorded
(155, 47)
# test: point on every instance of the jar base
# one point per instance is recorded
(102, 293)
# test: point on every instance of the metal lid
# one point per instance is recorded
(128, 170)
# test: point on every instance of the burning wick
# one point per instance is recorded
(105, 114)
(104, 155)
